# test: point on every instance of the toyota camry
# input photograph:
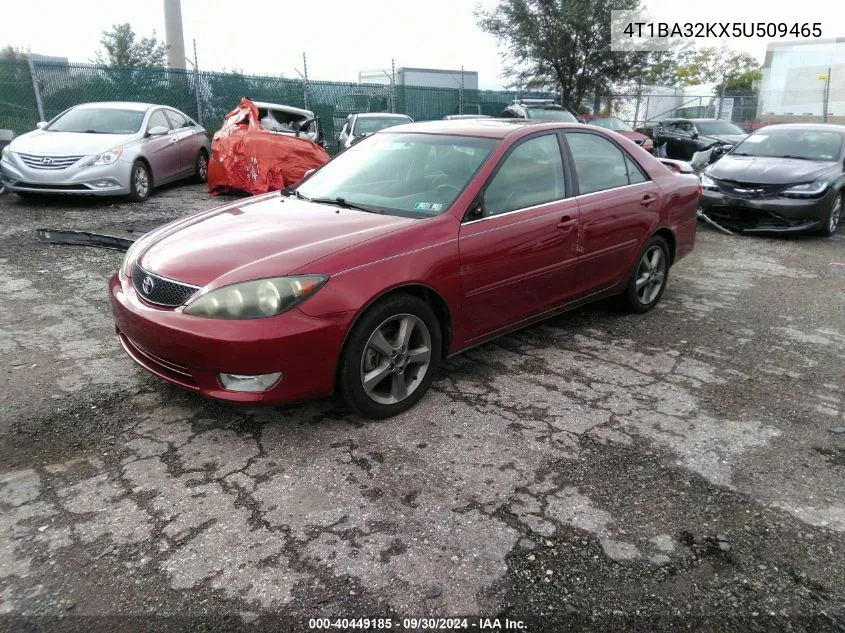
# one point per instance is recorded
(420, 241)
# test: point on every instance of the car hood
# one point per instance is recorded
(272, 236)
(732, 139)
(766, 170)
(44, 142)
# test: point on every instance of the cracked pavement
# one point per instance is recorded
(682, 467)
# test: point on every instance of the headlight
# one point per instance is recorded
(5, 153)
(256, 299)
(708, 183)
(107, 158)
(807, 190)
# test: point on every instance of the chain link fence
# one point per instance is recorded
(41, 90)
(35, 91)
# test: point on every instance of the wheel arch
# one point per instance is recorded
(416, 289)
(143, 159)
(667, 234)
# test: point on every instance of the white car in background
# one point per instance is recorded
(361, 125)
(106, 149)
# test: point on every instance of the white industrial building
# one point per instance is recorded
(794, 78)
(427, 77)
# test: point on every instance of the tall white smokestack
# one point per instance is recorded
(174, 38)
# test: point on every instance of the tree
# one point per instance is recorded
(122, 50)
(565, 44)
(735, 71)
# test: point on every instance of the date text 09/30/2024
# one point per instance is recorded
(417, 624)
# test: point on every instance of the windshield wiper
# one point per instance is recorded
(288, 191)
(340, 202)
(795, 157)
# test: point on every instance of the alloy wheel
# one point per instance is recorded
(835, 215)
(651, 274)
(202, 167)
(396, 358)
(142, 181)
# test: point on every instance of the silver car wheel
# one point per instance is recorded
(396, 358)
(202, 167)
(835, 215)
(651, 274)
(142, 181)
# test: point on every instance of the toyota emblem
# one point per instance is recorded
(148, 285)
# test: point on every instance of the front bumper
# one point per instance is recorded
(772, 214)
(102, 180)
(191, 351)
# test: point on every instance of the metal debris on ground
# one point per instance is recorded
(83, 238)
(714, 224)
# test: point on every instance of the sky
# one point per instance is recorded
(342, 38)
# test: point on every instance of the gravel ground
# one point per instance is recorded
(681, 470)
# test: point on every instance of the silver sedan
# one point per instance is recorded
(107, 149)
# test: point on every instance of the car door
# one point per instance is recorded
(162, 151)
(188, 139)
(617, 203)
(518, 240)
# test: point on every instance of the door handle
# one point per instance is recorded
(648, 199)
(566, 222)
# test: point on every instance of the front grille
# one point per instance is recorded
(159, 290)
(38, 185)
(747, 189)
(48, 162)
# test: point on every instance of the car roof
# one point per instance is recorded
(120, 105)
(381, 115)
(487, 128)
(283, 108)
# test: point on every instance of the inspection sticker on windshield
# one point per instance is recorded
(756, 138)
(436, 207)
(422, 206)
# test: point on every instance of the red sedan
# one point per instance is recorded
(420, 241)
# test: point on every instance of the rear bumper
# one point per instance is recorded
(191, 351)
(102, 180)
(766, 215)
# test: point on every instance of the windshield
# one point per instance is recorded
(708, 128)
(371, 125)
(612, 123)
(791, 143)
(98, 121)
(549, 114)
(415, 175)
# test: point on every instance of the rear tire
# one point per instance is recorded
(649, 276)
(834, 216)
(390, 357)
(201, 174)
(140, 182)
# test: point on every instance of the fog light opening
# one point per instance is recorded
(252, 384)
(105, 184)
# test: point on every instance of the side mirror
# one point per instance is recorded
(41, 125)
(693, 135)
(157, 130)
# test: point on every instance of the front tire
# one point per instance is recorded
(140, 182)
(648, 279)
(390, 357)
(834, 217)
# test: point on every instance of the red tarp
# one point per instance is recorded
(246, 157)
